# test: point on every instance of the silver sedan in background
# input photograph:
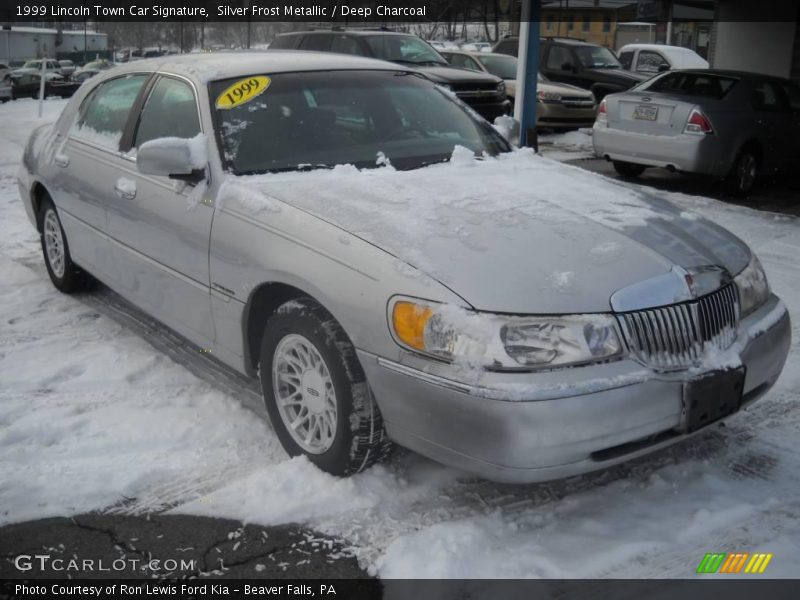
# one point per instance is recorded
(356, 237)
(733, 125)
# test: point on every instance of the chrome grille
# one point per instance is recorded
(677, 336)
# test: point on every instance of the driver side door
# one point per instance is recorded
(159, 226)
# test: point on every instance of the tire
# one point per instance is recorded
(307, 358)
(743, 176)
(628, 170)
(65, 274)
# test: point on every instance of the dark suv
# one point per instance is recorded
(580, 63)
(485, 93)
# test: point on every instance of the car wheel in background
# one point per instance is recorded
(743, 175)
(316, 393)
(628, 170)
(64, 274)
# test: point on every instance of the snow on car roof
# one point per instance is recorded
(222, 65)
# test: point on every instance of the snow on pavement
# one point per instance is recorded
(99, 412)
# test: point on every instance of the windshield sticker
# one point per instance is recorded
(242, 92)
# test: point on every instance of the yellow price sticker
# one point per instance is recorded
(242, 92)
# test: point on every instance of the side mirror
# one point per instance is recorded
(177, 158)
(662, 68)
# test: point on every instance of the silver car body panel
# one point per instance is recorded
(197, 269)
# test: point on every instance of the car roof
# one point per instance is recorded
(568, 41)
(729, 73)
(656, 47)
(350, 31)
(211, 66)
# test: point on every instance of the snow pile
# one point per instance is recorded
(580, 140)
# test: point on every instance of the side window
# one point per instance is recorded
(103, 116)
(650, 62)
(793, 95)
(284, 42)
(346, 44)
(320, 42)
(626, 59)
(557, 57)
(767, 97)
(462, 61)
(170, 111)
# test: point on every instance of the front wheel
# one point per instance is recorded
(316, 392)
(628, 170)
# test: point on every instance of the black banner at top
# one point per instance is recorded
(354, 12)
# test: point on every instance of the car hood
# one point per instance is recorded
(619, 75)
(517, 234)
(451, 75)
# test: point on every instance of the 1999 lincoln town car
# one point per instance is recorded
(358, 238)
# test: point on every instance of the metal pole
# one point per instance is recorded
(527, 72)
(41, 87)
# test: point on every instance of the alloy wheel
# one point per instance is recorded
(304, 393)
(54, 243)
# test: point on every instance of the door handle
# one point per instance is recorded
(61, 160)
(125, 188)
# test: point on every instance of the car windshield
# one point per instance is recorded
(502, 66)
(303, 121)
(597, 57)
(406, 49)
(32, 64)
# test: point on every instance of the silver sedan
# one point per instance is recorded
(360, 240)
(732, 125)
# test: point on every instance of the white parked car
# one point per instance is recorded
(655, 58)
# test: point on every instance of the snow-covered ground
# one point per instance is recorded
(100, 409)
(572, 145)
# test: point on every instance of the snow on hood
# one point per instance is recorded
(518, 234)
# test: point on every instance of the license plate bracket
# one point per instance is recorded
(645, 113)
(711, 397)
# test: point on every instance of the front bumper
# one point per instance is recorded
(703, 155)
(527, 427)
(559, 115)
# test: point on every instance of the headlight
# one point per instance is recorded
(457, 335)
(549, 97)
(501, 87)
(753, 286)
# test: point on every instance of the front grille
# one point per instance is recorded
(487, 86)
(677, 336)
(577, 101)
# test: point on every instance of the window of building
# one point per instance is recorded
(587, 23)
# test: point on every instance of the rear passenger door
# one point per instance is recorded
(771, 111)
(87, 161)
(792, 93)
(159, 227)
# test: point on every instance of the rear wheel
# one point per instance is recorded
(628, 170)
(316, 392)
(743, 175)
(64, 273)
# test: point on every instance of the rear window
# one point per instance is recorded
(696, 85)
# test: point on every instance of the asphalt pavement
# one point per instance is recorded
(168, 547)
(778, 194)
